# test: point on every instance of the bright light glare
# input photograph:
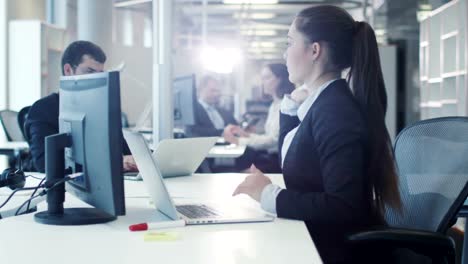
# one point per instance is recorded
(220, 60)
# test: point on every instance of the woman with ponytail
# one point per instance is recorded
(336, 153)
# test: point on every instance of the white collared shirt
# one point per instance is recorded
(269, 140)
(289, 107)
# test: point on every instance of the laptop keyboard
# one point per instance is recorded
(197, 211)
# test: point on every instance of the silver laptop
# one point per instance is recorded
(181, 157)
(191, 213)
(178, 157)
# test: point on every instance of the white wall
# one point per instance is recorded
(25, 69)
(11, 10)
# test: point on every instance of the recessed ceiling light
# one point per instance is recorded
(255, 2)
(264, 44)
(253, 32)
(130, 3)
(254, 15)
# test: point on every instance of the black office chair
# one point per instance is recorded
(9, 120)
(432, 160)
(22, 116)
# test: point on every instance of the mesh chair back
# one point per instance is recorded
(432, 160)
(9, 121)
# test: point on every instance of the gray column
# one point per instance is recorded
(95, 22)
(163, 116)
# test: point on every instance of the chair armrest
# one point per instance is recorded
(423, 242)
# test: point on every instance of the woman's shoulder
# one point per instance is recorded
(337, 106)
(338, 97)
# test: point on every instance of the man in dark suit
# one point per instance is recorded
(210, 119)
(80, 57)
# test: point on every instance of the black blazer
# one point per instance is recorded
(204, 127)
(324, 171)
(42, 121)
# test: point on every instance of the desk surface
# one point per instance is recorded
(12, 147)
(281, 241)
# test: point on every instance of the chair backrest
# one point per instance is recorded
(9, 120)
(432, 160)
(22, 116)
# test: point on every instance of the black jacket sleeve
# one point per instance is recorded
(42, 121)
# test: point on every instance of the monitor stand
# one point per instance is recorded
(74, 216)
(55, 171)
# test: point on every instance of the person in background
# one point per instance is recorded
(336, 153)
(210, 119)
(80, 57)
(262, 149)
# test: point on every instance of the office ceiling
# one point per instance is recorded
(259, 29)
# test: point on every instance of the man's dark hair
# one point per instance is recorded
(205, 80)
(74, 53)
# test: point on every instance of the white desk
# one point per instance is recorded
(13, 148)
(282, 241)
(226, 151)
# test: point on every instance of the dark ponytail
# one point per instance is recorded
(353, 45)
(366, 78)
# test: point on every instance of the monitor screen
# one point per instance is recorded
(184, 95)
(91, 129)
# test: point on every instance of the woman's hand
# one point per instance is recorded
(300, 94)
(238, 131)
(129, 163)
(229, 134)
(253, 184)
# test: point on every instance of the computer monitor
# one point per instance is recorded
(89, 144)
(184, 101)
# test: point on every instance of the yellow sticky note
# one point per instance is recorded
(161, 236)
